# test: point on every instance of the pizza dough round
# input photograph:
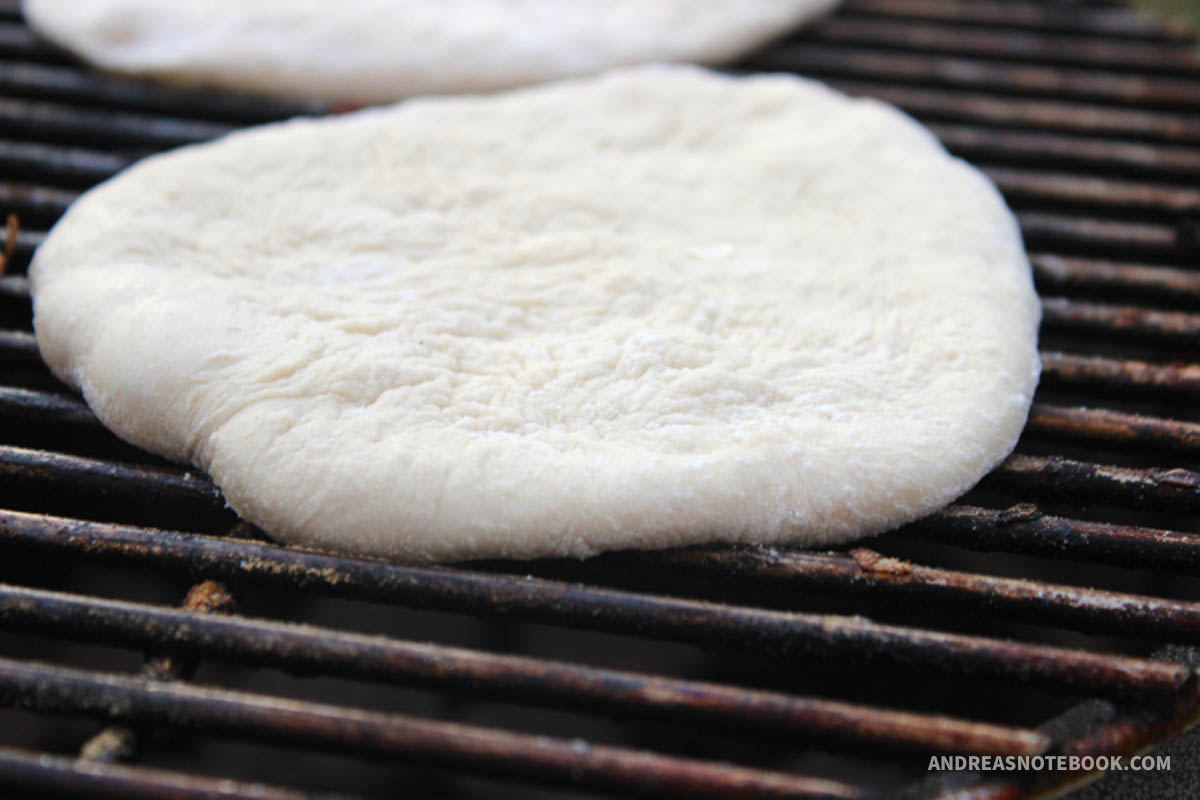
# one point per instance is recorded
(375, 51)
(659, 307)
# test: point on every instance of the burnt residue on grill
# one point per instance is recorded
(1068, 581)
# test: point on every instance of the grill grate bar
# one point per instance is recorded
(1025, 529)
(1103, 236)
(1116, 22)
(1169, 327)
(35, 205)
(947, 105)
(47, 774)
(63, 123)
(554, 602)
(161, 484)
(1162, 284)
(17, 41)
(1097, 425)
(53, 164)
(1116, 375)
(26, 242)
(865, 573)
(1050, 48)
(509, 678)
(394, 736)
(1106, 88)
(1022, 185)
(76, 85)
(1057, 478)
(19, 347)
(984, 144)
(30, 404)
(15, 288)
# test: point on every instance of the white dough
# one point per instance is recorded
(658, 307)
(375, 51)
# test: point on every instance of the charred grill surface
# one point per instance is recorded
(1054, 610)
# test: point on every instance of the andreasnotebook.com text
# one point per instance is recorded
(1055, 763)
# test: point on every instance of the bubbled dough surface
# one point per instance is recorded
(655, 308)
(373, 51)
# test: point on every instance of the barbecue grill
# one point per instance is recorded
(151, 645)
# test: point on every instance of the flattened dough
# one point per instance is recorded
(654, 308)
(375, 51)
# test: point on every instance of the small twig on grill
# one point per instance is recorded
(11, 229)
(119, 743)
(206, 597)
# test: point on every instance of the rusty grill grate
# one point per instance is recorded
(707, 672)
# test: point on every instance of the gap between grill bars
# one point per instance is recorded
(1085, 117)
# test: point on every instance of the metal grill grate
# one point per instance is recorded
(709, 672)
